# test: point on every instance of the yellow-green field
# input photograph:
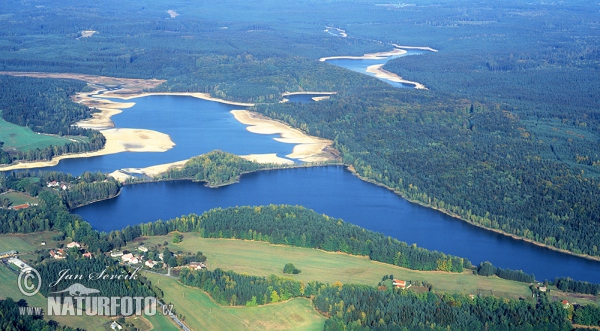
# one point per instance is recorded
(18, 198)
(201, 313)
(23, 139)
(27, 242)
(263, 259)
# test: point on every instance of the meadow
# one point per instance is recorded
(21, 138)
(202, 313)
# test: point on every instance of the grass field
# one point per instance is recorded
(263, 259)
(27, 242)
(23, 139)
(201, 313)
(18, 198)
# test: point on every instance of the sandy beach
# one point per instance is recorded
(423, 48)
(307, 149)
(372, 56)
(379, 72)
(117, 141)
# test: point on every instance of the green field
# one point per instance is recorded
(18, 198)
(23, 139)
(27, 242)
(263, 259)
(201, 313)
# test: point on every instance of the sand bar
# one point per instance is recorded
(372, 56)
(271, 158)
(379, 72)
(117, 141)
(423, 48)
(307, 149)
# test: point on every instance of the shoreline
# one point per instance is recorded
(451, 214)
(368, 56)
(379, 72)
(308, 148)
(285, 94)
(199, 95)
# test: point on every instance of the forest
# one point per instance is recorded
(45, 106)
(216, 168)
(360, 307)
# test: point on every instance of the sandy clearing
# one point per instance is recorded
(379, 72)
(87, 33)
(307, 149)
(172, 13)
(120, 176)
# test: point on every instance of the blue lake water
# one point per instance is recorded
(361, 65)
(196, 127)
(336, 192)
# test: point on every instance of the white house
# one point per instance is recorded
(73, 244)
(126, 257)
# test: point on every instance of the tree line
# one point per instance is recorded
(45, 106)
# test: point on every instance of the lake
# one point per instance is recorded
(338, 193)
(196, 126)
(361, 65)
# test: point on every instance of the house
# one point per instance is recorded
(565, 304)
(142, 249)
(197, 265)
(87, 254)
(150, 263)
(400, 284)
(126, 257)
(116, 253)
(43, 243)
(542, 288)
(53, 184)
(19, 207)
(64, 187)
(115, 326)
(57, 254)
(134, 260)
(73, 244)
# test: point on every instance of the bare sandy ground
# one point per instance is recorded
(424, 48)
(320, 98)
(372, 56)
(87, 33)
(379, 72)
(307, 149)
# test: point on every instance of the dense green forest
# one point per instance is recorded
(216, 168)
(45, 106)
(354, 307)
